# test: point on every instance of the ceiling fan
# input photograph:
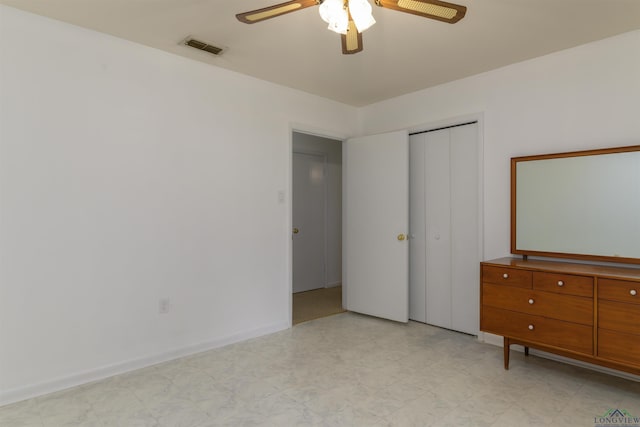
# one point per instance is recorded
(350, 18)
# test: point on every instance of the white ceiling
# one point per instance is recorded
(402, 52)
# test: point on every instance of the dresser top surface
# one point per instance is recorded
(567, 267)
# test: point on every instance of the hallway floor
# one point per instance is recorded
(317, 303)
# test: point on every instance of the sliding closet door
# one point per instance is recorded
(444, 224)
(417, 236)
(438, 226)
(465, 245)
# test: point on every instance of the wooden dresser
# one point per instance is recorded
(581, 311)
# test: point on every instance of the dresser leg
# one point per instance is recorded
(526, 350)
(506, 346)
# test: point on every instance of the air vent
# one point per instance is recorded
(215, 50)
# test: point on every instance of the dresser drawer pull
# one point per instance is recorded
(560, 283)
(633, 292)
(531, 301)
(505, 276)
(531, 327)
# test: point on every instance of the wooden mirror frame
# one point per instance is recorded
(580, 256)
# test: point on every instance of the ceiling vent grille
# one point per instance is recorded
(200, 45)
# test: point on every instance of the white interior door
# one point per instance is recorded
(309, 207)
(376, 214)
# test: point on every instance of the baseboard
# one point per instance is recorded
(333, 285)
(488, 338)
(586, 365)
(30, 391)
(498, 341)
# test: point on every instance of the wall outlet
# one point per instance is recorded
(164, 304)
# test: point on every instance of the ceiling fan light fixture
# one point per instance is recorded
(351, 17)
(334, 12)
(361, 13)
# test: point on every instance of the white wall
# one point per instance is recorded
(128, 175)
(582, 98)
(333, 150)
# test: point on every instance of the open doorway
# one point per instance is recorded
(317, 227)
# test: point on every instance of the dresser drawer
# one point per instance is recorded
(619, 346)
(506, 276)
(548, 304)
(619, 290)
(563, 284)
(537, 329)
(618, 316)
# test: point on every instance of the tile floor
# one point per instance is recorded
(343, 370)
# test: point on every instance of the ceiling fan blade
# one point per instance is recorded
(352, 41)
(275, 10)
(434, 9)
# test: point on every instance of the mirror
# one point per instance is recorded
(582, 205)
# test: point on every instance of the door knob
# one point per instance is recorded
(296, 231)
(401, 237)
